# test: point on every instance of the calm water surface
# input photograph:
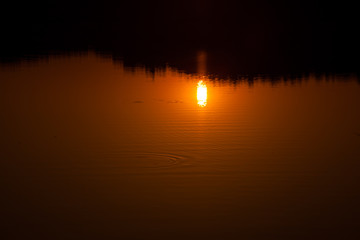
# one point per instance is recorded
(92, 149)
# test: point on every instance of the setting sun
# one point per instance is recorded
(201, 94)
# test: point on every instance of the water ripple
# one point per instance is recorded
(139, 161)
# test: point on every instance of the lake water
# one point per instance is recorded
(92, 149)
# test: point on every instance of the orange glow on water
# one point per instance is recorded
(201, 94)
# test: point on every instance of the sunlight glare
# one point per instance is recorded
(201, 94)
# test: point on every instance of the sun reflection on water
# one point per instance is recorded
(201, 94)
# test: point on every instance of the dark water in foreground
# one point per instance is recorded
(93, 150)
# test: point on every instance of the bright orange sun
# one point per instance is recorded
(201, 94)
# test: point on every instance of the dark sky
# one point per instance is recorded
(318, 31)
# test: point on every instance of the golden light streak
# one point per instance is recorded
(201, 94)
